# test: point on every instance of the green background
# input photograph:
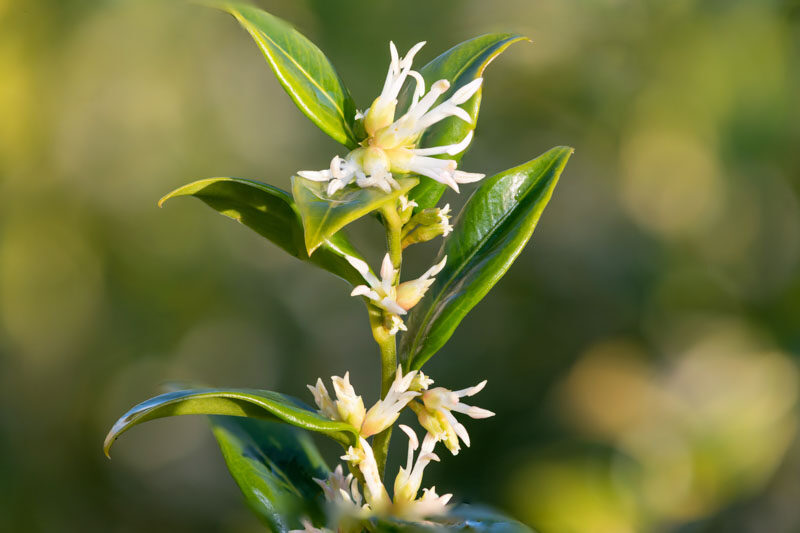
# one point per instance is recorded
(641, 354)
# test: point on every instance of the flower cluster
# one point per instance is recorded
(384, 293)
(391, 145)
(434, 409)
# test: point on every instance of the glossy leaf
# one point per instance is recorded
(271, 213)
(274, 466)
(303, 70)
(488, 235)
(462, 518)
(266, 405)
(459, 65)
(324, 216)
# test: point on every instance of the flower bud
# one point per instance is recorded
(379, 115)
(427, 225)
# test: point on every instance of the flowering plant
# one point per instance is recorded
(403, 151)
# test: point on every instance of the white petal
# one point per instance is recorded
(467, 177)
(387, 269)
(465, 93)
(470, 391)
(315, 175)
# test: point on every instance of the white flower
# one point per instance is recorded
(384, 413)
(395, 300)
(375, 493)
(348, 407)
(382, 291)
(409, 479)
(435, 414)
(406, 485)
(391, 144)
(342, 491)
(408, 294)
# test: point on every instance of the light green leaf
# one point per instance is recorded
(459, 65)
(488, 235)
(323, 216)
(274, 466)
(303, 70)
(271, 213)
(266, 405)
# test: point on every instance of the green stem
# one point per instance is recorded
(394, 232)
(380, 444)
(386, 342)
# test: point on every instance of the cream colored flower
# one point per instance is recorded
(395, 300)
(374, 491)
(435, 414)
(409, 479)
(391, 145)
(384, 413)
(349, 407)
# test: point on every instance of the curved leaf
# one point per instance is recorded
(274, 466)
(462, 518)
(488, 235)
(459, 65)
(323, 216)
(266, 405)
(271, 213)
(303, 70)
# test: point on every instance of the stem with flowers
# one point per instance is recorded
(403, 152)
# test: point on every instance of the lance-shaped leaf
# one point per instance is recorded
(323, 216)
(303, 70)
(271, 213)
(274, 466)
(488, 235)
(460, 65)
(265, 405)
(463, 518)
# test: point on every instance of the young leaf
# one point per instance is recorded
(323, 216)
(274, 466)
(271, 213)
(488, 235)
(303, 70)
(266, 405)
(459, 65)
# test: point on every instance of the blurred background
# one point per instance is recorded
(641, 353)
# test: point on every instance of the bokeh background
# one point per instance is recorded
(641, 353)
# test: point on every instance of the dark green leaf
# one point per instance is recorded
(324, 216)
(303, 70)
(488, 235)
(459, 65)
(266, 405)
(462, 518)
(271, 213)
(274, 466)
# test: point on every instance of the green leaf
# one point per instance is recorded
(266, 405)
(274, 466)
(303, 70)
(459, 65)
(488, 235)
(462, 518)
(271, 213)
(323, 216)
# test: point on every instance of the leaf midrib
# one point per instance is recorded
(469, 257)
